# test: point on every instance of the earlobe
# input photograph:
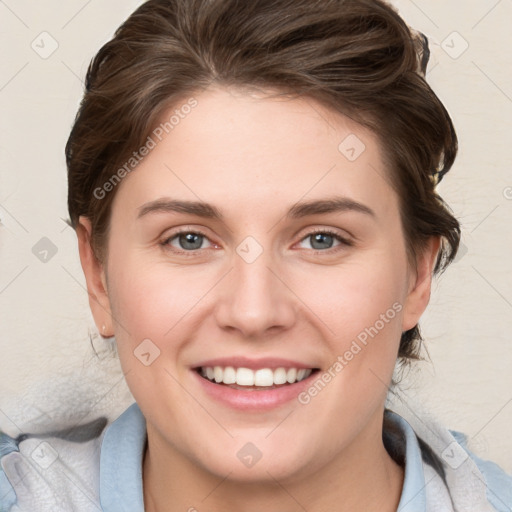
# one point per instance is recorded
(421, 284)
(95, 279)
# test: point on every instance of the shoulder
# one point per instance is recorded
(75, 469)
(450, 467)
(498, 483)
(53, 471)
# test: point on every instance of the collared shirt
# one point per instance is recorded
(471, 484)
(121, 479)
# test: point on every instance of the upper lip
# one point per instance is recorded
(254, 364)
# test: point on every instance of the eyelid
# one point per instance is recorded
(341, 233)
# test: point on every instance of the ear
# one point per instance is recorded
(95, 278)
(420, 284)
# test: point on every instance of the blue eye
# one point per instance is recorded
(323, 239)
(188, 241)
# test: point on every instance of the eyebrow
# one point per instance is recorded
(297, 211)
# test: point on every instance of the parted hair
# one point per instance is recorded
(356, 57)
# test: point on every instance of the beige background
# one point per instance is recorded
(43, 305)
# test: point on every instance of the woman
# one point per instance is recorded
(253, 189)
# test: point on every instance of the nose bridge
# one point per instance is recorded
(254, 299)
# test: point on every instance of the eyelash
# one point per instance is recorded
(343, 241)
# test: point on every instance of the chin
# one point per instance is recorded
(258, 461)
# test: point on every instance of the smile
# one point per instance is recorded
(262, 378)
(252, 385)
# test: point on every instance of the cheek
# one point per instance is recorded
(360, 307)
(335, 304)
(150, 299)
(151, 304)
(155, 300)
(354, 297)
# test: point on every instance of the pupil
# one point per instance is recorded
(322, 238)
(190, 238)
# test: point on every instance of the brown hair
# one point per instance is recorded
(357, 57)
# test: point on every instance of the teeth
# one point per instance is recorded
(291, 375)
(229, 376)
(244, 376)
(218, 374)
(263, 377)
(279, 376)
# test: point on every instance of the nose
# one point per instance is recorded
(255, 299)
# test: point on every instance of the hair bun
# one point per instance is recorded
(422, 51)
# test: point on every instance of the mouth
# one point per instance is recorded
(248, 379)
(256, 389)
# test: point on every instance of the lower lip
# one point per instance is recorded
(254, 399)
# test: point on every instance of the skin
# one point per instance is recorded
(253, 158)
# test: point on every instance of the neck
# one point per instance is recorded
(362, 477)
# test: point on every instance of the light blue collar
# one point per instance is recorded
(122, 454)
(414, 497)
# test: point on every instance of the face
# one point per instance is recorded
(278, 285)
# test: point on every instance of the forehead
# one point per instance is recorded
(249, 151)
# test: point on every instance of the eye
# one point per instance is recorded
(190, 241)
(185, 241)
(323, 239)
